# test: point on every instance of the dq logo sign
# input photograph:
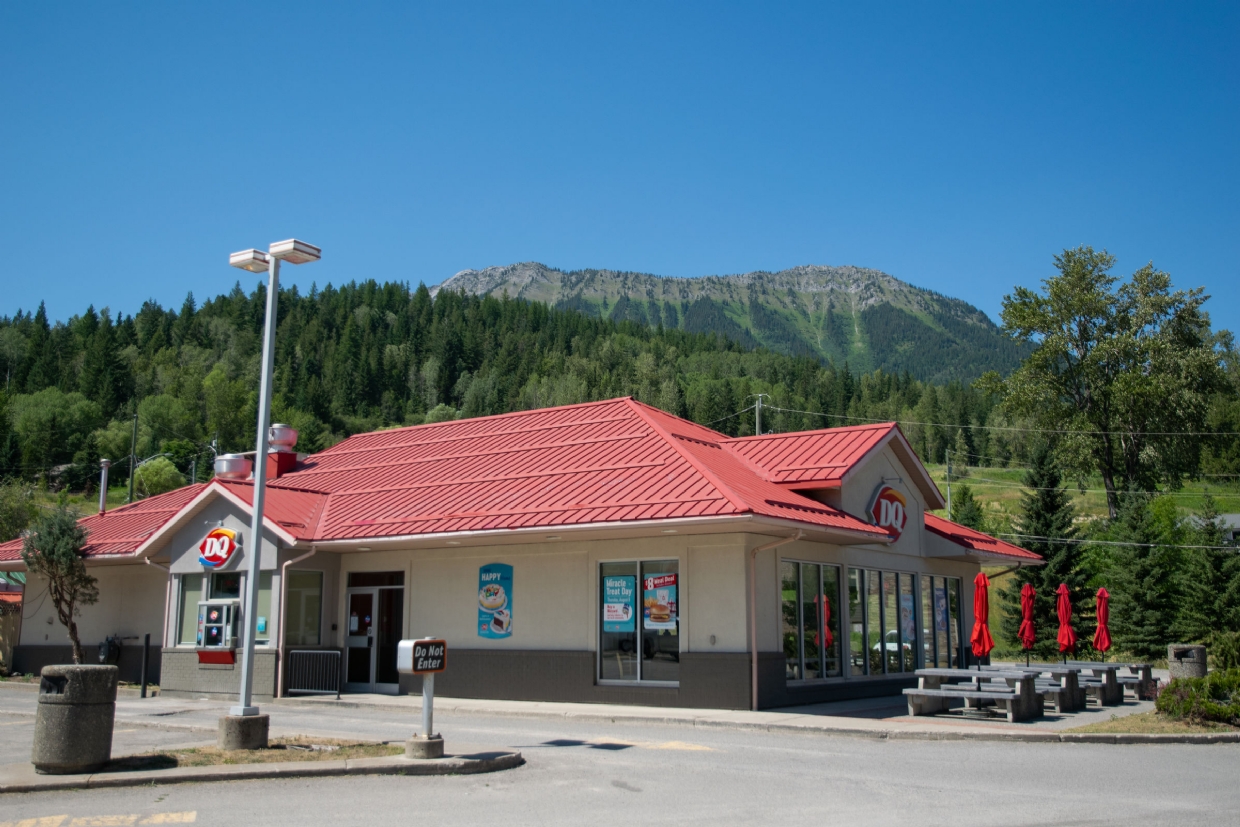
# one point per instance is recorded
(889, 510)
(217, 547)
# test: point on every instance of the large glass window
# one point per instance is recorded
(882, 608)
(191, 593)
(891, 625)
(940, 607)
(789, 622)
(874, 620)
(810, 620)
(660, 621)
(304, 612)
(856, 621)
(263, 628)
(639, 630)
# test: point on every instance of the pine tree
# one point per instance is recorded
(965, 508)
(1045, 526)
(1207, 605)
(1144, 596)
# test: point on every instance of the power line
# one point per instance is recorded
(1010, 428)
(1009, 484)
(729, 416)
(1079, 540)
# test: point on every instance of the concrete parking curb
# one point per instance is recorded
(21, 778)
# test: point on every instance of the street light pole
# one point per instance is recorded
(254, 551)
(295, 252)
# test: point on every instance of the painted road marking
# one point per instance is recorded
(187, 817)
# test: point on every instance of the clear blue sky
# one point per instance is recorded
(956, 146)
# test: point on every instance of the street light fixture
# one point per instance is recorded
(256, 261)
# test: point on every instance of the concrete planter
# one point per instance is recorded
(73, 724)
(1186, 660)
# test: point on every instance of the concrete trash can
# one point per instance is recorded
(1186, 660)
(73, 724)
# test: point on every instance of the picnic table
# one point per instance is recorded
(1061, 686)
(1014, 691)
(1139, 678)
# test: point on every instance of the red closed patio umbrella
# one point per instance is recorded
(1102, 637)
(981, 639)
(828, 639)
(1063, 607)
(1026, 632)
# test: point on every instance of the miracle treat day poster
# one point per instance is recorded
(495, 601)
(619, 602)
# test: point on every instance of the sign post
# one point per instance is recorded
(425, 657)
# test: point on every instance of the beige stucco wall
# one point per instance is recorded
(555, 596)
(131, 603)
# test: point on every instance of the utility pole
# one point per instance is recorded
(133, 457)
(948, 453)
(193, 471)
(758, 415)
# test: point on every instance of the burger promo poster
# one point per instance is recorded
(495, 601)
(659, 602)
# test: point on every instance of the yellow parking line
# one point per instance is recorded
(187, 817)
(680, 745)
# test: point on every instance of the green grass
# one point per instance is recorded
(999, 490)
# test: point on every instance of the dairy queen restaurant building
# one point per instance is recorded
(601, 553)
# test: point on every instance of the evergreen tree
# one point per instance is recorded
(965, 508)
(1207, 605)
(1144, 594)
(1045, 526)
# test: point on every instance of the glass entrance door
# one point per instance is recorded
(359, 668)
(374, 619)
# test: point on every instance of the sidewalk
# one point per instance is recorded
(871, 718)
(882, 718)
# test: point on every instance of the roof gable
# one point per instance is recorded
(826, 458)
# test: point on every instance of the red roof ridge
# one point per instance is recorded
(835, 429)
(710, 475)
(491, 417)
(515, 449)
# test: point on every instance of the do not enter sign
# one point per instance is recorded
(421, 657)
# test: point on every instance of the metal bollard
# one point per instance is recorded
(146, 661)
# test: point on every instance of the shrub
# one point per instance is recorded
(1214, 698)
(1225, 647)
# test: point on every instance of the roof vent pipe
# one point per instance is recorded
(232, 466)
(104, 465)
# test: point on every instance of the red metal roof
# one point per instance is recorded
(599, 462)
(976, 540)
(122, 530)
(820, 457)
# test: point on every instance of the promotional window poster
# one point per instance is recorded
(495, 601)
(619, 604)
(659, 601)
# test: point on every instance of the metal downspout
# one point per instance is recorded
(753, 612)
(163, 641)
(283, 616)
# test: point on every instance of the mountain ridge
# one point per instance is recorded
(865, 317)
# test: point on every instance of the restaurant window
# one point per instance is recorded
(191, 593)
(940, 621)
(810, 620)
(639, 631)
(225, 585)
(303, 613)
(882, 613)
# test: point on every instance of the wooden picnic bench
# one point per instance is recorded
(1014, 691)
